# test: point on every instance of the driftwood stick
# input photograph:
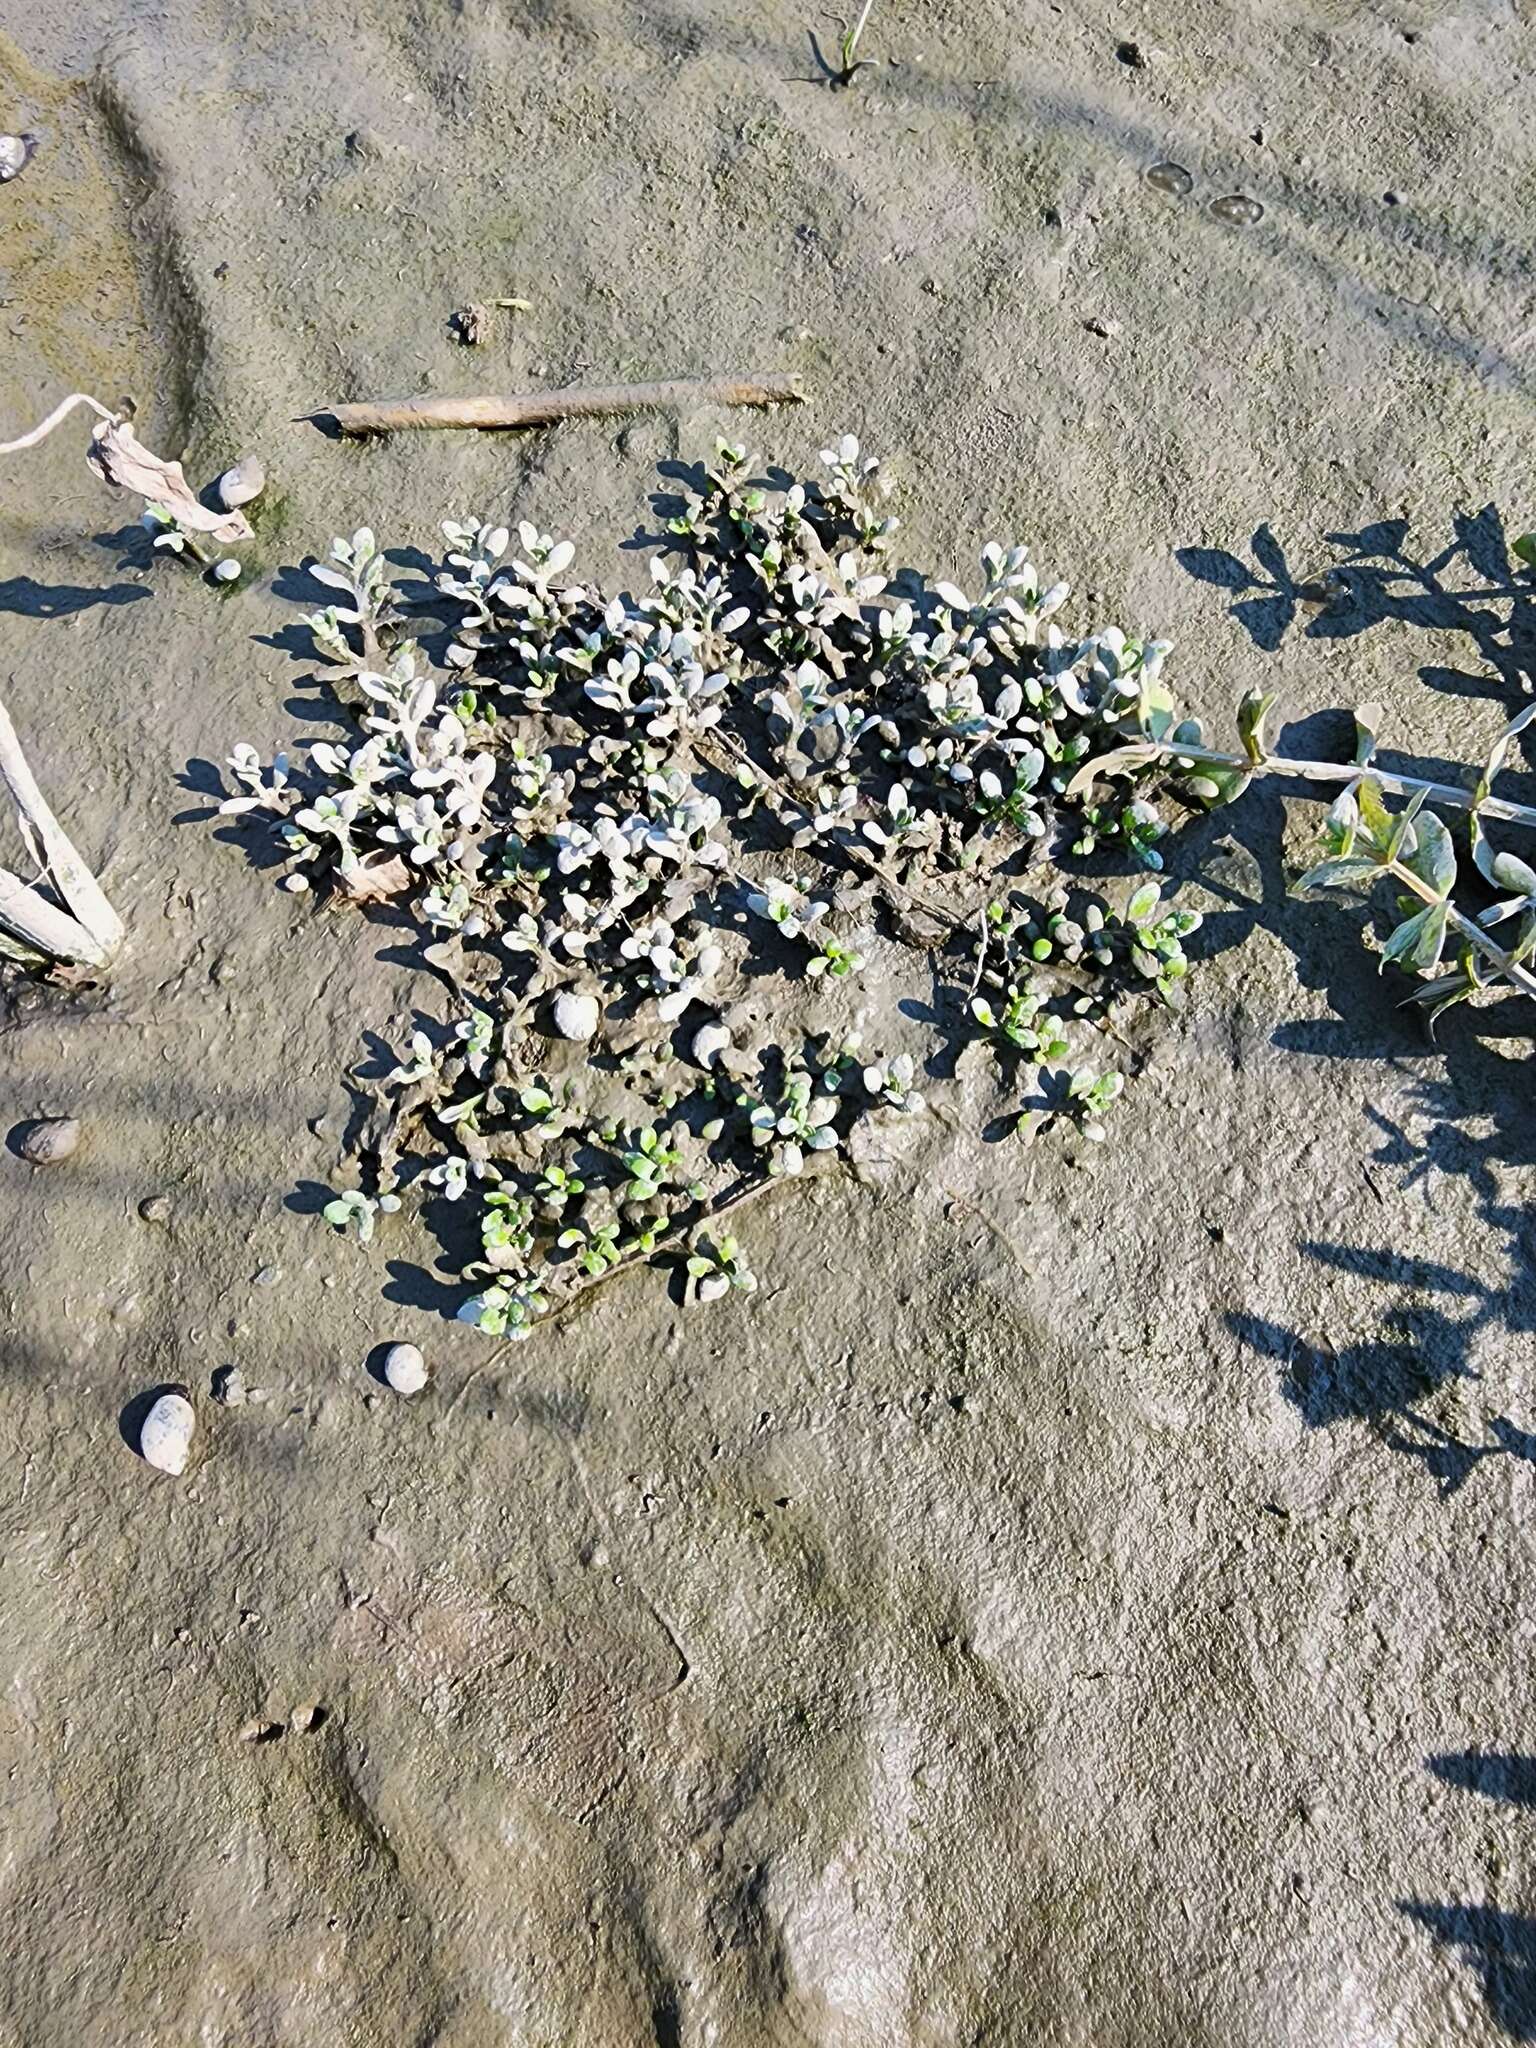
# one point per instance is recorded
(69, 873)
(542, 408)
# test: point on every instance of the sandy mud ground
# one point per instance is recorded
(1075, 1603)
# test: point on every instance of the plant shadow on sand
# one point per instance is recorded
(1466, 1118)
(1499, 1946)
(1354, 581)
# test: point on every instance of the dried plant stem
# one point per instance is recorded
(1449, 794)
(61, 411)
(42, 928)
(543, 408)
(94, 930)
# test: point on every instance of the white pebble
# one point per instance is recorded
(226, 571)
(576, 1016)
(709, 1041)
(166, 1438)
(52, 1140)
(405, 1368)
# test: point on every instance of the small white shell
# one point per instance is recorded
(15, 155)
(165, 1441)
(52, 1140)
(226, 571)
(238, 486)
(576, 1016)
(709, 1041)
(405, 1368)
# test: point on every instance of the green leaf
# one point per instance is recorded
(1499, 750)
(1504, 870)
(1418, 941)
(1525, 548)
(1433, 858)
(1143, 903)
(1374, 815)
(1342, 821)
(1229, 783)
(1252, 711)
(1349, 872)
(1402, 835)
(1367, 728)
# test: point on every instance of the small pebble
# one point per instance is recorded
(303, 1720)
(1132, 55)
(1105, 329)
(267, 1277)
(16, 152)
(166, 1438)
(405, 1368)
(156, 1208)
(576, 1016)
(1237, 210)
(261, 1731)
(471, 325)
(51, 1141)
(1171, 178)
(226, 571)
(229, 1386)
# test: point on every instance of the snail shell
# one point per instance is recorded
(238, 486)
(49, 1142)
(576, 1016)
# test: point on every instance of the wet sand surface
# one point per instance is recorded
(1076, 1602)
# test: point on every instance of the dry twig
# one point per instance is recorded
(543, 408)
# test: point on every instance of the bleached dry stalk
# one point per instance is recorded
(82, 929)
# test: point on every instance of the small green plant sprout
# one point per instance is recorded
(1149, 935)
(1020, 1019)
(1081, 1097)
(536, 1100)
(902, 828)
(850, 63)
(799, 1121)
(890, 1081)
(450, 1176)
(509, 1312)
(835, 959)
(557, 1189)
(596, 1248)
(1135, 826)
(358, 1212)
(654, 1164)
(715, 1266)
(791, 908)
(506, 1232)
(420, 1063)
(476, 1033)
